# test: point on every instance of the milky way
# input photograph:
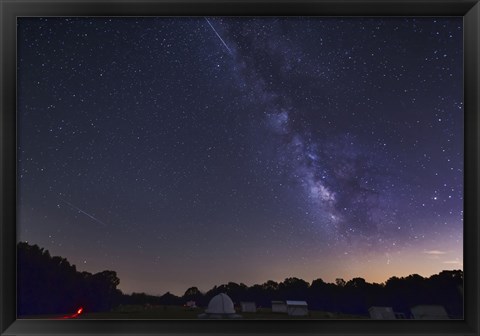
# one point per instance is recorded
(242, 149)
(319, 163)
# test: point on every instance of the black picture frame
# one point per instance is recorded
(11, 9)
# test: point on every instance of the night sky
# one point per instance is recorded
(194, 151)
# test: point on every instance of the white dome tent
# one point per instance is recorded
(220, 306)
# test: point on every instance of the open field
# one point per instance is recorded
(179, 312)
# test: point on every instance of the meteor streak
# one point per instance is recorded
(85, 213)
(229, 50)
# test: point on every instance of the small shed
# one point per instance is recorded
(427, 312)
(248, 307)
(279, 307)
(297, 308)
(381, 313)
(191, 304)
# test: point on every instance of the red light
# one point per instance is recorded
(79, 311)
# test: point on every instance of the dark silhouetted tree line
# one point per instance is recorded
(51, 285)
(143, 299)
(348, 297)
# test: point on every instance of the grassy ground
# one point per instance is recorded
(133, 312)
(178, 312)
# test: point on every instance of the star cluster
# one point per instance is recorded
(195, 151)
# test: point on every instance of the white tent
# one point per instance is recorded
(279, 307)
(429, 312)
(381, 313)
(248, 307)
(297, 308)
(220, 306)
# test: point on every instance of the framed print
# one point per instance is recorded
(224, 167)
